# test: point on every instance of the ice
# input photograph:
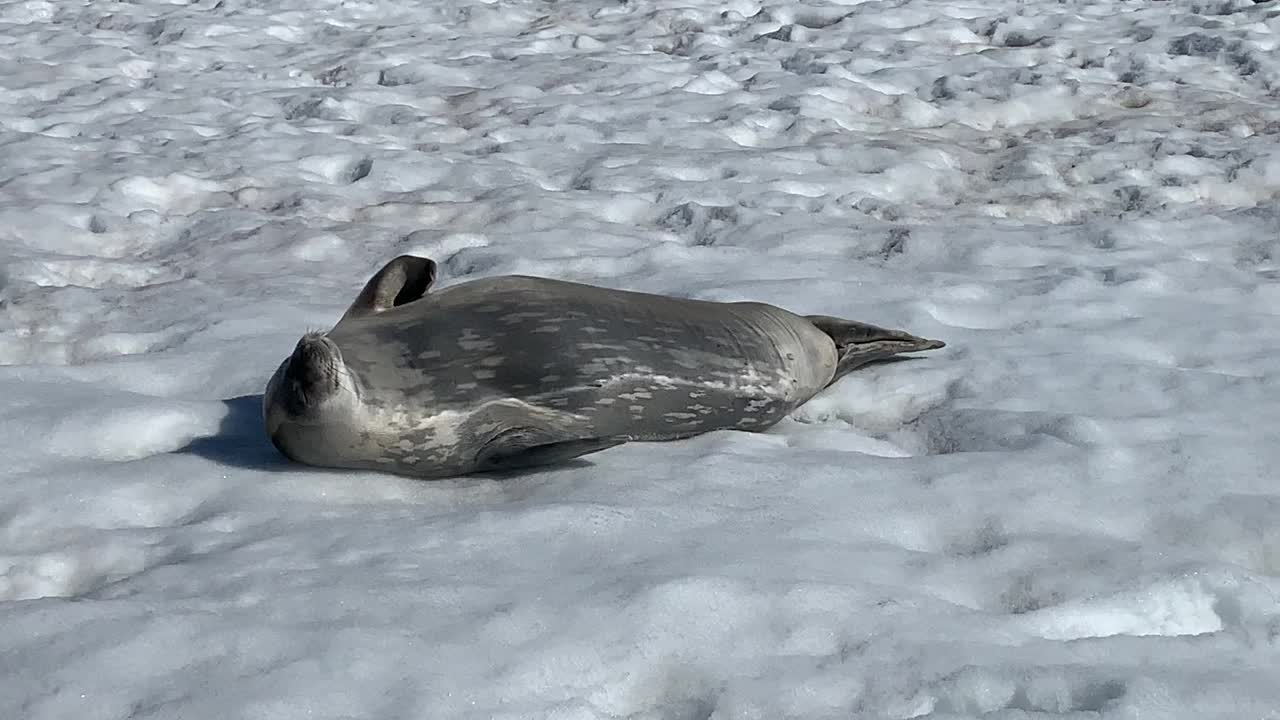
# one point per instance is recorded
(1070, 511)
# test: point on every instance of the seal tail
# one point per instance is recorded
(859, 344)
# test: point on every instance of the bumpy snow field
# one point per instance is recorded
(1072, 511)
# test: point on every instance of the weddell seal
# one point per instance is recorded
(509, 372)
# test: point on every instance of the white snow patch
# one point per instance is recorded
(1069, 511)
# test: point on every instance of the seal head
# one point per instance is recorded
(310, 389)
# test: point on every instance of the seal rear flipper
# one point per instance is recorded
(860, 344)
(403, 280)
(518, 448)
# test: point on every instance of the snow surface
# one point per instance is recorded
(1072, 511)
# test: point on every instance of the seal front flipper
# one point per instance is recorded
(524, 447)
(859, 343)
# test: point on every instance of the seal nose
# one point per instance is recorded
(307, 365)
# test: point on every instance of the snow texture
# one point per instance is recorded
(1072, 511)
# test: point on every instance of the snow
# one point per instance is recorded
(1070, 511)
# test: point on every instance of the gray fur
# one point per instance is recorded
(517, 371)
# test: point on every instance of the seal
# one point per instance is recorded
(512, 372)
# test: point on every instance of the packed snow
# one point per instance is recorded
(1073, 510)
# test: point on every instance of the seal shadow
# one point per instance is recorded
(241, 440)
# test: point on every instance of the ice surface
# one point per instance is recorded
(1071, 511)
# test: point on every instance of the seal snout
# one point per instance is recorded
(313, 373)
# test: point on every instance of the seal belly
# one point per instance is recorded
(608, 364)
(744, 370)
(583, 364)
(637, 409)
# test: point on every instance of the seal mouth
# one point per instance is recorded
(278, 440)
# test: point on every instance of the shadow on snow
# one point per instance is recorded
(241, 440)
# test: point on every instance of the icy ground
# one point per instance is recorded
(1072, 511)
